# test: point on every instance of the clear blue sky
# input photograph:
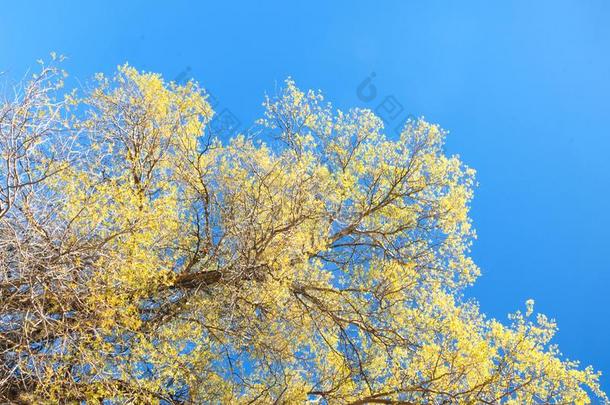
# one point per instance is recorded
(523, 88)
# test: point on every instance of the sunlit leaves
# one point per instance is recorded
(321, 260)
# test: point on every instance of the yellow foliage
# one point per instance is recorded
(326, 264)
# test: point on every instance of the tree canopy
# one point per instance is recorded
(144, 259)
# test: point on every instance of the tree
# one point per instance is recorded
(144, 260)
